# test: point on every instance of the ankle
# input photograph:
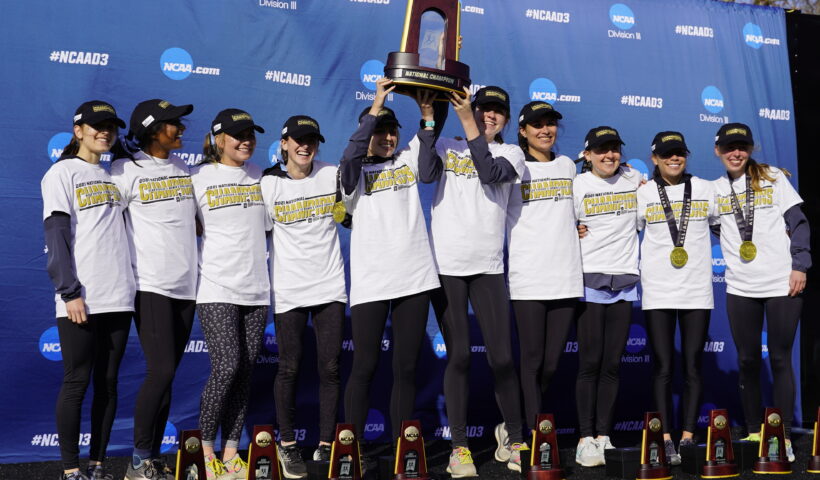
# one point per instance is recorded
(287, 444)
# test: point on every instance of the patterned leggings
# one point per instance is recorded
(233, 334)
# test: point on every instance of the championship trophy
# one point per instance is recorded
(263, 462)
(429, 50)
(190, 459)
(544, 461)
(345, 463)
(720, 457)
(771, 456)
(411, 462)
(653, 457)
(814, 460)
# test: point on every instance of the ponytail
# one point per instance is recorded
(71, 149)
(761, 171)
(210, 150)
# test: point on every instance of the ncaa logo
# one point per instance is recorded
(753, 35)
(637, 339)
(621, 16)
(374, 425)
(371, 71)
(439, 347)
(273, 152)
(50, 345)
(712, 99)
(169, 438)
(57, 143)
(640, 166)
(176, 63)
(270, 339)
(718, 263)
(543, 89)
(703, 417)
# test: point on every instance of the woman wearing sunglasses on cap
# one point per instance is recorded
(475, 177)
(544, 254)
(391, 265)
(159, 218)
(308, 280)
(674, 210)
(606, 204)
(90, 267)
(233, 295)
(764, 237)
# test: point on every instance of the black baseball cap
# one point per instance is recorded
(491, 94)
(299, 126)
(734, 133)
(385, 116)
(151, 112)
(601, 135)
(232, 121)
(96, 111)
(535, 110)
(665, 142)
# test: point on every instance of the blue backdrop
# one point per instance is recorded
(641, 66)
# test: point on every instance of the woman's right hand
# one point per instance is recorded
(384, 86)
(75, 309)
(425, 98)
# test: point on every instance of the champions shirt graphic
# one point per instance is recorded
(233, 195)
(607, 203)
(460, 163)
(96, 193)
(654, 211)
(389, 179)
(764, 199)
(546, 189)
(164, 188)
(303, 208)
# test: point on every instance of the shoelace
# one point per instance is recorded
(215, 465)
(464, 455)
(237, 464)
(519, 446)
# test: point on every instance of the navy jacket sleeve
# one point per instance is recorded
(799, 232)
(59, 265)
(356, 151)
(430, 164)
(490, 169)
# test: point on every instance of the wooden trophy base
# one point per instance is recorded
(767, 467)
(408, 76)
(814, 464)
(724, 470)
(646, 472)
(536, 473)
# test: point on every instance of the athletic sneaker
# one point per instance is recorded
(672, 455)
(753, 437)
(517, 450)
(322, 453)
(461, 463)
(685, 442)
(145, 471)
(588, 454)
(236, 468)
(291, 460)
(789, 450)
(78, 475)
(604, 443)
(502, 451)
(97, 472)
(215, 470)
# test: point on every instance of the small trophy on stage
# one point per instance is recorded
(653, 457)
(544, 461)
(772, 452)
(720, 458)
(190, 459)
(814, 460)
(345, 463)
(263, 462)
(411, 462)
(429, 50)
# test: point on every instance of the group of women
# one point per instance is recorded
(124, 244)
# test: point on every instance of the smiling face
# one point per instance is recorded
(300, 150)
(239, 149)
(605, 159)
(671, 164)
(383, 141)
(490, 119)
(540, 134)
(95, 139)
(734, 157)
(169, 135)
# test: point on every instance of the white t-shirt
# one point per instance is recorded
(99, 245)
(160, 223)
(767, 275)
(544, 255)
(232, 253)
(608, 207)
(307, 267)
(468, 217)
(664, 285)
(390, 253)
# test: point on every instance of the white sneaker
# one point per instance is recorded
(588, 453)
(502, 451)
(604, 443)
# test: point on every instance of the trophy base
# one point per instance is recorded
(764, 466)
(408, 76)
(536, 473)
(622, 462)
(725, 470)
(814, 464)
(646, 472)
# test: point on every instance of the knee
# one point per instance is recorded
(748, 362)
(458, 361)
(287, 371)
(364, 367)
(501, 364)
(162, 375)
(329, 371)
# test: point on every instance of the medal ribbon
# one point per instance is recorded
(744, 225)
(678, 233)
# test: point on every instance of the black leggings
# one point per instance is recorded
(602, 333)
(164, 326)
(488, 296)
(95, 346)
(409, 321)
(660, 327)
(543, 326)
(746, 322)
(327, 325)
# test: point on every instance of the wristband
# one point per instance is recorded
(424, 124)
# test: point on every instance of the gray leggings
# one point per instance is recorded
(233, 334)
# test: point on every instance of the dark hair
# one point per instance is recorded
(118, 150)
(144, 140)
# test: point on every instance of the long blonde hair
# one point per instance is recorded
(761, 171)
(210, 150)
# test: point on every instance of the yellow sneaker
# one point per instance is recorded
(461, 463)
(753, 437)
(516, 451)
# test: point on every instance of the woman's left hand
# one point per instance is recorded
(461, 104)
(797, 283)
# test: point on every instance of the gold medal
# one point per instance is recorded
(748, 251)
(339, 212)
(679, 257)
